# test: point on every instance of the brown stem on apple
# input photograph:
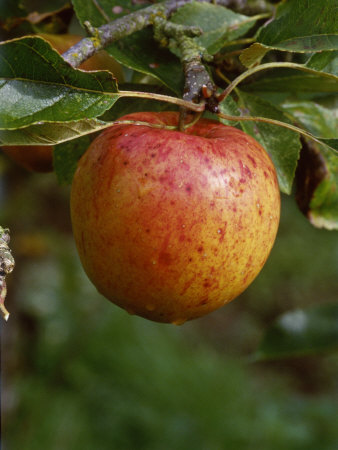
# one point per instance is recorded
(124, 26)
(6, 267)
(184, 112)
(195, 119)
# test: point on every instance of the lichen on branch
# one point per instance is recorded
(6, 267)
(124, 26)
(198, 83)
(199, 87)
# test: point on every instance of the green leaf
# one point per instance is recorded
(51, 133)
(282, 144)
(253, 54)
(138, 51)
(301, 332)
(331, 143)
(302, 26)
(324, 61)
(37, 85)
(229, 107)
(323, 208)
(317, 173)
(219, 24)
(299, 26)
(279, 86)
(313, 117)
(58, 132)
(289, 80)
(130, 105)
(317, 185)
(99, 13)
(66, 156)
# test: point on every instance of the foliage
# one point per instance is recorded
(286, 57)
(82, 374)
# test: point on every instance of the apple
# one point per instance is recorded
(40, 158)
(35, 158)
(171, 225)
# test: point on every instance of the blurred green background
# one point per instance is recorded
(78, 373)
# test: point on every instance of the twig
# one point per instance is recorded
(198, 84)
(191, 55)
(124, 26)
(6, 267)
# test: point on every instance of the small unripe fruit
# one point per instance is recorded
(35, 158)
(172, 225)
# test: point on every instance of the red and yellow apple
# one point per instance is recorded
(39, 158)
(171, 225)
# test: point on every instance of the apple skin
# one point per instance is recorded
(172, 225)
(35, 158)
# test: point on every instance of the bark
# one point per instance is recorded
(124, 26)
(6, 267)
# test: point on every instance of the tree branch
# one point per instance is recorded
(191, 55)
(198, 84)
(6, 267)
(124, 26)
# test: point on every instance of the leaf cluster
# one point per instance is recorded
(44, 100)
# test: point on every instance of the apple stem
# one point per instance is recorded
(195, 119)
(6, 267)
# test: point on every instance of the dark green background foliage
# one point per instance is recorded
(81, 374)
(261, 373)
